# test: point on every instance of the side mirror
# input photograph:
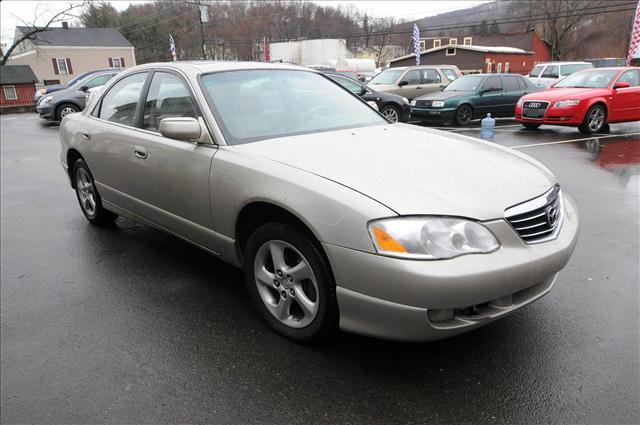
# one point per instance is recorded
(363, 90)
(84, 88)
(180, 128)
(622, 85)
(403, 83)
(442, 87)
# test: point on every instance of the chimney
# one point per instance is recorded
(65, 25)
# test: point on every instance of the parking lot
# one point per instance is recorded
(127, 324)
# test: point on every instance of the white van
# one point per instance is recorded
(548, 73)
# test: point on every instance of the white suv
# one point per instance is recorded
(549, 73)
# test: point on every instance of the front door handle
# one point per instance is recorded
(140, 152)
(85, 136)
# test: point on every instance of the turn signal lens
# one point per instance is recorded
(385, 242)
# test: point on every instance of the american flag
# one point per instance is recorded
(635, 36)
(172, 47)
(416, 43)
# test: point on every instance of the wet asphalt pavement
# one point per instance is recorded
(127, 324)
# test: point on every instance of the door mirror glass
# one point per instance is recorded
(403, 83)
(180, 128)
(84, 88)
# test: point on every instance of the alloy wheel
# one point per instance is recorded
(463, 116)
(66, 111)
(86, 191)
(391, 114)
(596, 119)
(286, 284)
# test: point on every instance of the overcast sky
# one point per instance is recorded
(13, 11)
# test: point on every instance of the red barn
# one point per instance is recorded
(17, 86)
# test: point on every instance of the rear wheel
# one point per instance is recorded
(65, 109)
(391, 113)
(290, 283)
(594, 121)
(88, 196)
(464, 113)
(529, 126)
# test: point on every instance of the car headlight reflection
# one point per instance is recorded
(565, 103)
(430, 238)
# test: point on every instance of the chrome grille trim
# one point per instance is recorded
(532, 220)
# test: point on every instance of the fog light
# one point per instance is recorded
(440, 315)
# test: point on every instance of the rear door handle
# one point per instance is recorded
(85, 136)
(140, 152)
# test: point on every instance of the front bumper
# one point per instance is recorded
(432, 114)
(46, 112)
(407, 299)
(571, 116)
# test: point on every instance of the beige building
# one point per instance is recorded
(60, 54)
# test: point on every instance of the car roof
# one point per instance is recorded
(199, 67)
(564, 63)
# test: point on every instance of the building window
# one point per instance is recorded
(422, 45)
(488, 61)
(62, 67)
(499, 66)
(506, 67)
(436, 43)
(10, 92)
(116, 62)
(467, 41)
(453, 41)
(451, 51)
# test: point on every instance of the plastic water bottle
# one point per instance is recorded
(487, 127)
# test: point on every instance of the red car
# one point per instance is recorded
(588, 99)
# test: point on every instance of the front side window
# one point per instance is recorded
(252, 105)
(120, 104)
(630, 77)
(550, 72)
(511, 83)
(168, 97)
(412, 77)
(430, 76)
(492, 84)
(588, 78)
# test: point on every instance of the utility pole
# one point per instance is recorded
(204, 50)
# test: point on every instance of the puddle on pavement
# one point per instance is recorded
(620, 156)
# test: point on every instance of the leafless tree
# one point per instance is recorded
(32, 30)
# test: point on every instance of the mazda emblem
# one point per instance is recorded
(552, 215)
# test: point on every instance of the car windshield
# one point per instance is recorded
(253, 105)
(596, 79)
(465, 83)
(536, 70)
(389, 76)
(78, 78)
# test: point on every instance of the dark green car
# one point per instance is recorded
(472, 96)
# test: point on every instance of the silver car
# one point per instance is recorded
(414, 81)
(338, 218)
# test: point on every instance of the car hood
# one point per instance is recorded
(414, 170)
(563, 93)
(443, 95)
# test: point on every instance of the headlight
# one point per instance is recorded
(430, 238)
(413, 103)
(565, 103)
(405, 100)
(47, 99)
(437, 103)
(42, 91)
(373, 104)
(519, 102)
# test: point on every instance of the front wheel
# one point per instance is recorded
(594, 121)
(65, 109)
(290, 283)
(463, 115)
(88, 196)
(391, 113)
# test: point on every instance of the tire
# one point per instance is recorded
(88, 196)
(594, 121)
(531, 126)
(279, 295)
(65, 109)
(464, 114)
(392, 113)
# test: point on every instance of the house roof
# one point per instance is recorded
(17, 74)
(485, 49)
(93, 37)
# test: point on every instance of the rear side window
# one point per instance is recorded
(120, 104)
(550, 72)
(570, 69)
(511, 83)
(168, 97)
(536, 70)
(412, 77)
(430, 76)
(493, 83)
(630, 77)
(449, 73)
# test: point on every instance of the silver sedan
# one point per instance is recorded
(337, 218)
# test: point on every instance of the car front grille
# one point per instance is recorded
(534, 109)
(424, 103)
(539, 219)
